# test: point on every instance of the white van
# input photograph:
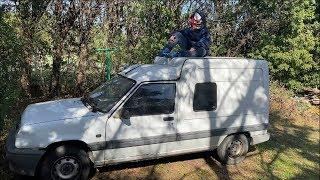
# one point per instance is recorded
(147, 111)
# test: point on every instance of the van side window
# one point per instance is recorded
(205, 97)
(152, 99)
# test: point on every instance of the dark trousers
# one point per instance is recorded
(186, 45)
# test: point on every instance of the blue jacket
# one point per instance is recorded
(198, 38)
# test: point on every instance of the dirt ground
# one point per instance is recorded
(291, 153)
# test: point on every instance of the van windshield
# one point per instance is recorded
(109, 93)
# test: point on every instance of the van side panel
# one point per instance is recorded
(242, 102)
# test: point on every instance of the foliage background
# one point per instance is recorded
(47, 48)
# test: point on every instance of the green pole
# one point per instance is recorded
(108, 61)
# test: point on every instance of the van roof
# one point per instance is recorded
(173, 67)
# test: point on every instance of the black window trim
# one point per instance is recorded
(120, 102)
(205, 110)
(150, 82)
(114, 109)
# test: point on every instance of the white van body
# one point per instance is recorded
(241, 106)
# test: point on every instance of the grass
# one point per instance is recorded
(291, 153)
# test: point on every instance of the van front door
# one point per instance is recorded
(144, 125)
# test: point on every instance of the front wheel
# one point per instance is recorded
(233, 149)
(65, 162)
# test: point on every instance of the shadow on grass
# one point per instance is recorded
(286, 136)
(152, 163)
(209, 157)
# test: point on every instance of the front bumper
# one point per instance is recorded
(22, 161)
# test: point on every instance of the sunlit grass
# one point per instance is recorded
(291, 153)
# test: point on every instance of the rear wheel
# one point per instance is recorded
(233, 149)
(65, 162)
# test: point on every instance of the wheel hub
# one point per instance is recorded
(235, 148)
(66, 168)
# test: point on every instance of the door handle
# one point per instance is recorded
(168, 118)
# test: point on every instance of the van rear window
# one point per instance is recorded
(205, 97)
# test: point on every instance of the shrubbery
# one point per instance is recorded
(285, 33)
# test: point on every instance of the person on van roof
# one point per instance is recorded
(194, 41)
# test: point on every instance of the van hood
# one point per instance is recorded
(54, 111)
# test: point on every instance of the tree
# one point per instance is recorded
(10, 66)
(65, 15)
(84, 24)
(291, 48)
(29, 12)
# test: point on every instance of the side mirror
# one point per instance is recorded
(122, 114)
(125, 114)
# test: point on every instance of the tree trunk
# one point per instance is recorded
(81, 76)
(85, 24)
(27, 59)
(115, 14)
(26, 76)
(219, 29)
(57, 50)
(55, 86)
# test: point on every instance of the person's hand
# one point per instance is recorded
(193, 49)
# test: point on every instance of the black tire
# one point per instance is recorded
(65, 162)
(233, 149)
